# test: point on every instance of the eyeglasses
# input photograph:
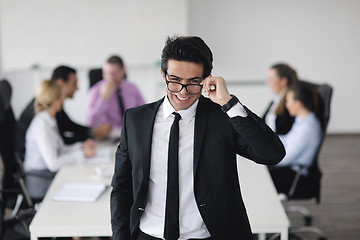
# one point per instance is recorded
(176, 87)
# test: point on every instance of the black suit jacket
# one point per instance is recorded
(283, 122)
(216, 185)
(70, 131)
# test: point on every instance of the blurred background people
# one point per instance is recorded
(70, 131)
(46, 151)
(109, 99)
(279, 78)
(303, 139)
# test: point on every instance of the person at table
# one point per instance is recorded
(70, 131)
(303, 139)
(110, 97)
(175, 169)
(279, 78)
(46, 151)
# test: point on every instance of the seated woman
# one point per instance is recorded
(302, 141)
(45, 149)
(280, 77)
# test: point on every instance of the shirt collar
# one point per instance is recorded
(187, 115)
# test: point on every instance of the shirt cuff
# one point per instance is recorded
(237, 110)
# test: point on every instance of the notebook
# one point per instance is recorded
(80, 192)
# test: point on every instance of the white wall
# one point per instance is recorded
(86, 32)
(319, 38)
(83, 34)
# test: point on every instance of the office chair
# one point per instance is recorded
(14, 191)
(303, 189)
(95, 75)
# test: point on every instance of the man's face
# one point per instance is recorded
(70, 86)
(113, 73)
(184, 73)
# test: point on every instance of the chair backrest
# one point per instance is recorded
(7, 128)
(13, 171)
(324, 92)
(95, 75)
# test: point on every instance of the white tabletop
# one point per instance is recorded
(265, 211)
(55, 219)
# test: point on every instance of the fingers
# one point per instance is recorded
(212, 83)
(209, 84)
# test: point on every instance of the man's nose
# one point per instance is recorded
(183, 91)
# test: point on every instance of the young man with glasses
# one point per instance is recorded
(175, 172)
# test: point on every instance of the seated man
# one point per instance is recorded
(70, 131)
(110, 97)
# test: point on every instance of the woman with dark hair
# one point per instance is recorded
(303, 139)
(280, 78)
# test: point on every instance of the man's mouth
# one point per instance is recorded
(182, 99)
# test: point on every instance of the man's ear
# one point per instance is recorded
(60, 81)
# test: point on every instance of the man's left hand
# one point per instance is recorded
(215, 88)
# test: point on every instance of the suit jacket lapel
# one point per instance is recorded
(199, 133)
(147, 132)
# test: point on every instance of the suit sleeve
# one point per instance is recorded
(78, 133)
(256, 141)
(121, 195)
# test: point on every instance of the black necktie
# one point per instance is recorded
(121, 104)
(172, 231)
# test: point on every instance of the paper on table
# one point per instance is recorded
(80, 192)
(103, 155)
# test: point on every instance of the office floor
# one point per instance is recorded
(338, 214)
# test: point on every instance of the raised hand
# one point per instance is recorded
(215, 88)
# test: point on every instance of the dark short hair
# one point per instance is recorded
(62, 72)
(285, 71)
(306, 95)
(116, 60)
(189, 49)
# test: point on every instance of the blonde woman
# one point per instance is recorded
(45, 149)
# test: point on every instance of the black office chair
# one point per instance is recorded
(95, 75)
(14, 191)
(309, 188)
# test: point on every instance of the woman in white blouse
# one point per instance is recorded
(302, 141)
(45, 149)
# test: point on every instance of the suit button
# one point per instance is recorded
(141, 209)
(202, 205)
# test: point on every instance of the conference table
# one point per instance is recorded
(63, 219)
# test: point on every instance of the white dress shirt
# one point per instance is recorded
(45, 148)
(153, 219)
(301, 143)
(270, 118)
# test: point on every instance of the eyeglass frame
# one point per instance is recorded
(182, 86)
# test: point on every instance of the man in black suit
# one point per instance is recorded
(175, 171)
(70, 131)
